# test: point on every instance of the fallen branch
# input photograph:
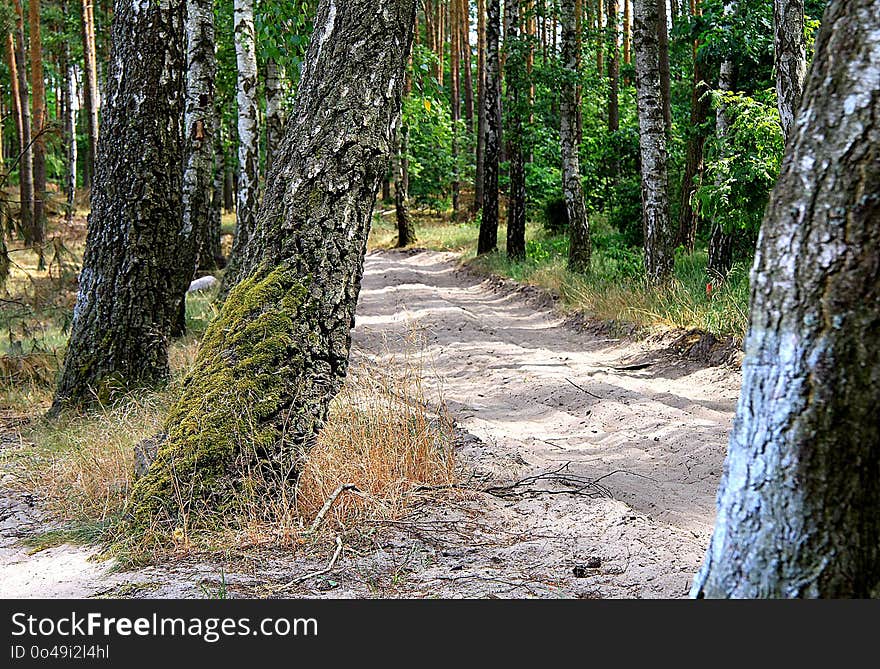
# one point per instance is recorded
(330, 500)
(320, 572)
(584, 390)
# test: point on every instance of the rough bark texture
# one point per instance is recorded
(70, 144)
(652, 143)
(797, 507)
(488, 239)
(274, 111)
(790, 58)
(247, 194)
(517, 111)
(127, 301)
(482, 107)
(572, 189)
(278, 351)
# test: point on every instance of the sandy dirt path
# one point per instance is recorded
(626, 443)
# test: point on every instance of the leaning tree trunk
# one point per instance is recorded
(488, 239)
(128, 287)
(277, 353)
(579, 249)
(199, 129)
(659, 256)
(790, 58)
(797, 507)
(516, 110)
(248, 140)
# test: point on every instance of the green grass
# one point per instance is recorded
(613, 290)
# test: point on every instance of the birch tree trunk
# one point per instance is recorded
(797, 508)
(572, 189)
(90, 87)
(516, 112)
(70, 143)
(247, 195)
(128, 298)
(274, 111)
(277, 353)
(790, 58)
(482, 108)
(659, 256)
(199, 130)
(488, 239)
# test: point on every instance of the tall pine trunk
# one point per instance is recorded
(659, 256)
(248, 140)
(70, 118)
(517, 112)
(790, 58)
(128, 288)
(482, 108)
(276, 355)
(569, 104)
(90, 88)
(488, 239)
(797, 508)
(26, 152)
(37, 233)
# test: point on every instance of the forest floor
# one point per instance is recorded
(590, 463)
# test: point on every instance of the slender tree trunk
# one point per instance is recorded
(70, 116)
(248, 140)
(465, 38)
(38, 125)
(797, 508)
(579, 226)
(482, 108)
(455, 99)
(488, 239)
(276, 355)
(790, 58)
(198, 149)
(627, 32)
(90, 87)
(600, 35)
(406, 231)
(210, 248)
(26, 155)
(228, 189)
(613, 69)
(701, 107)
(721, 241)
(663, 45)
(517, 104)
(274, 111)
(128, 288)
(659, 256)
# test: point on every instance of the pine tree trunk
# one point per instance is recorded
(482, 108)
(277, 353)
(455, 100)
(128, 289)
(790, 58)
(797, 507)
(247, 196)
(517, 103)
(90, 87)
(274, 111)
(37, 234)
(26, 152)
(199, 129)
(652, 143)
(70, 117)
(465, 39)
(663, 45)
(572, 190)
(488, 239)
(406, 231)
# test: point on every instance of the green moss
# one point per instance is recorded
(246, 374)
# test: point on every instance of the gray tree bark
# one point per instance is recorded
(247, 195)
(70, 115)
(199, 130)
(790, 58)
(488, 239)
(659, 256)
(482, 107)
(127, 301)
(569, 103)
(278, 352)
(797, 507)
(406, 230)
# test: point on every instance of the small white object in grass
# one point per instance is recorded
(203, 283)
